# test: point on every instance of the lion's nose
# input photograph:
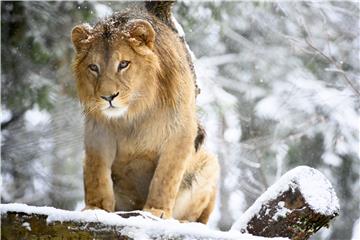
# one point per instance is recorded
(111, 97)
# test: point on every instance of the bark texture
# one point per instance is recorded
(18, 225)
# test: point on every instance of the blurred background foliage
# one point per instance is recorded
(279, 88)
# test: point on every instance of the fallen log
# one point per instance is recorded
(295, 207)
(300, 203)
(19, 221)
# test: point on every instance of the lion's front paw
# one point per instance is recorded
(90, 208)
(158, 212)
(104, 202)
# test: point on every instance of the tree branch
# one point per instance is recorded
(333, 61)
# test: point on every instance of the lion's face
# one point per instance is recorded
(116, 71)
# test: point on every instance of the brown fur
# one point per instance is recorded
(144, 157)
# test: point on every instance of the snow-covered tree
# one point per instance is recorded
(293, 69)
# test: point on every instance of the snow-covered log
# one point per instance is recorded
(19, 221)
(300, 203)
(295, 207)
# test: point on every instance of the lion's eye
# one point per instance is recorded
(123, 64)
(94, 68)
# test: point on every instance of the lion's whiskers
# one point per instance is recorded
(89, 110)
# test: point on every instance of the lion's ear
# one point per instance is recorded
(142, 35)
(79, 35)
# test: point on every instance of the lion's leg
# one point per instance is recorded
(165, 184)
(98, 185)
(196, 200)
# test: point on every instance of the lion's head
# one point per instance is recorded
(117, 67)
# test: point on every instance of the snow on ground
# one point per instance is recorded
(314, 186)
(155, 227)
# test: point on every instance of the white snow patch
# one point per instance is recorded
(5, 114)
(281, 211)
(232, 134)
(178, 27)
(238, 208)
(356, 230)
(331, 159)
(181, 33)
(35, 117)
(87, 26)
(102, 10)
(79, 206)
(134, 233)
(138, 226)
(269, 108)
(26, 225)
(315, 188)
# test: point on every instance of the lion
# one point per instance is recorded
(138, 95)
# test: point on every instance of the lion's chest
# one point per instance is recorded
(138, 151)
(132, 173)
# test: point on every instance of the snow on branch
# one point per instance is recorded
(300, 203)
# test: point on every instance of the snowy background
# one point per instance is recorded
(279, 88)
